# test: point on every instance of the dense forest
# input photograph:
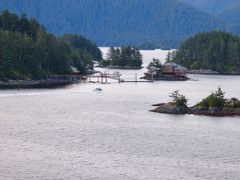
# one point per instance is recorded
(143, 23)
(218, 51)
(81, 43)
(27, 51)
(125, 57)
(226, 10)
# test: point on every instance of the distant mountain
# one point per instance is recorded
(163, 23)
(231, 15)
(214, 7)
(225, 10)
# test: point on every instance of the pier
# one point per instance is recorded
(103, 78)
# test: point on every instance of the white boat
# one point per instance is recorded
(98, 90)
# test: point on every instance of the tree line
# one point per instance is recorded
(127, 56)
(28, 51)
(218, 51)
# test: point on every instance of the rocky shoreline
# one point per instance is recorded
(222, 112)
(202, 71)
(38, 84)
(210, 72)
(171, 108)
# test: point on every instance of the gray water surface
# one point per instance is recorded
(74, 133)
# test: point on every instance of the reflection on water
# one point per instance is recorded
(74, 133)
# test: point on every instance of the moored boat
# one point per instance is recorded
(97, 90)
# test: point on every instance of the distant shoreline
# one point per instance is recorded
(121, 67)
(210, 72)
(38, 84)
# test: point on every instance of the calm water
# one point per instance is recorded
(74, 133)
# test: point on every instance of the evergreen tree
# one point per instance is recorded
(218, 51)
(125, 56)
(27, 51)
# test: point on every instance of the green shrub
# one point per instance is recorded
(233, 103)
(216, 99)
(155, 65)
(178, 99)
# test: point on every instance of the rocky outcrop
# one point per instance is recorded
(215, 111)
(171, 108)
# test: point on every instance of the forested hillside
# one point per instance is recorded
(83, 44)
(225, 10)
(214, 7)
(231, 15)
(151, 23)
(29, 52)
(218, 51)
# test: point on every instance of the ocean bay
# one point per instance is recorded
(74, 133)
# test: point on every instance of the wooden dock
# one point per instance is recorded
(137, 81)
(103, 78)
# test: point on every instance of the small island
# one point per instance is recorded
(125, 57)
(209, 53)
(165, 72)
(214, 105)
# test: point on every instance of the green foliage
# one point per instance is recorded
(155, 65)
(218, 100)
(79, 42)
(82, 60)
(105, 63)
(178, 99)
(11, 22)
(27, 51)
(233, 103)
(218, 51)
(124, 57)
(215, 100)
